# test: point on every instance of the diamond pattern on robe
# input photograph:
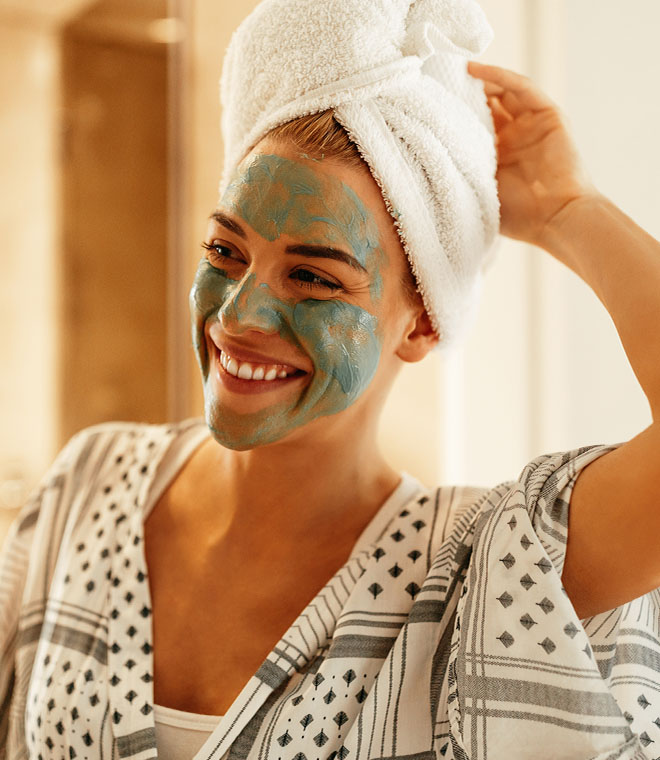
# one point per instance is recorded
(645, 739)
(527, 621)
(506, 600)
(297, 700)
(544, 565)
(361, 695)
(506, 638)
(418, 525)
(320, 739)
(378, 553)
(395, 571)
(285, 739)
(548, 645)
(546, 605)
(526, 582)
(349, 676)
(512, 523)
(412, 589)
(509, 561)
(571, 630)
(525, 542)
(375, 589)
(414, 555)
(319, 678)
(398, 535)
(643, 702)
(329, 697)
(306, 720)
(340, 718)
(342, 752)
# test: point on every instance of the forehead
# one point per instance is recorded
(279, 193)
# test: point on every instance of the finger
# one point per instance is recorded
(501, 116)
(493, 89)
(527, 95)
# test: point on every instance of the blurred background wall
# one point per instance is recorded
(111, 154)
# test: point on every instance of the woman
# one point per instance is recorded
(161, 566)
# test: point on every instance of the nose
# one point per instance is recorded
(251, 306)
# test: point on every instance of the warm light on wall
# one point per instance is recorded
(168, 31)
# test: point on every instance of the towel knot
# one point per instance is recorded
(436, 27)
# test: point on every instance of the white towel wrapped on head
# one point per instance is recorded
(395, 74)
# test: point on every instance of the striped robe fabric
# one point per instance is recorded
(447, 634)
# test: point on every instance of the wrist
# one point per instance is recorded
(561, 230)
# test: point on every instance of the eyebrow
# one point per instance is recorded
(324, 252)
(308, 250)
(229, 223)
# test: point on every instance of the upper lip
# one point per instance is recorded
(242, 354)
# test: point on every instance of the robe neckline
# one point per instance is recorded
(291, 652)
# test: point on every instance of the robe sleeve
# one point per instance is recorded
(27, 562)
(527, 678)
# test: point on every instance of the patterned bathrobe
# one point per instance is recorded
(450, 636)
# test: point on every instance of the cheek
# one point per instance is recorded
(343, 341)
(209, 290)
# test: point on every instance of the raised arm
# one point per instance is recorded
(547, 200)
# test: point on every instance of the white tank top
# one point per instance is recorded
(179, 734)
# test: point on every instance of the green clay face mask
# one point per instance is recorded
(277, 196)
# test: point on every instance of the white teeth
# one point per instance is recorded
(245, 371)
(248, 371)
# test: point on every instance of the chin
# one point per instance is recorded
(243, 437)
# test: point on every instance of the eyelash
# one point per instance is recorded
(318, 281)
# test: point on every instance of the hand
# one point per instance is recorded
(539, 171)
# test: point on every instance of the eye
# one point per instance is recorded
(220, 255)
(307, 279)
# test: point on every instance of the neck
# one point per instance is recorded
(327, 483)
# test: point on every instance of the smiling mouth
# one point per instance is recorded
(257, 372)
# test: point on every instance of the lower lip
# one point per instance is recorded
(238, 385)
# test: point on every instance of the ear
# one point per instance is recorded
(419, 337)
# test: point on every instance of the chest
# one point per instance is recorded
(216, 618)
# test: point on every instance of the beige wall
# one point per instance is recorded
(29, 93)
(83, 226)
(113, 215)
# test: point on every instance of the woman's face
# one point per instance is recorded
(297, 306)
